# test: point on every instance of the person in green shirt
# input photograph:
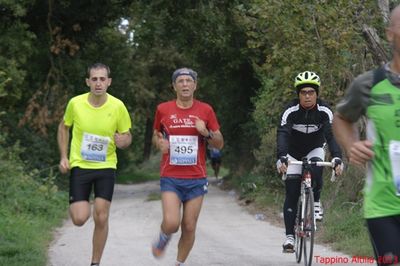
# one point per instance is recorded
(100, 123)
(375, 94)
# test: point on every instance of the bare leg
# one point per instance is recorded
(100, 216)
(214, 167)
(79, 212)
(217, 166)
(191, 212)
(171, 205)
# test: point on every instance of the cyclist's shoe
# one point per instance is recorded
(159, 245)
(288, 245)
(318, 211)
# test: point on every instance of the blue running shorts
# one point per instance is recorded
(185, 188)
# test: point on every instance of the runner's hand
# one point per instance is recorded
(64, 165)
(122, 140)
(201, 127)
(282, 164)
(338, 165)
(162, 143)
(360, 152)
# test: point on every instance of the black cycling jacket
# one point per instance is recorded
(300, 130)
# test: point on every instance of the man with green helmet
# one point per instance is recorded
(305, 127)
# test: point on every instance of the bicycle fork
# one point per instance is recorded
(306, 190)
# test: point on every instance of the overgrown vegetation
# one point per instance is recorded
(30, 207)
(136, 173)
(344, 225)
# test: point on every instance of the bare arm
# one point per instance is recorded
(63, 141)
(123, 140)
(214, 138)
(217, 140)
(160, 142)
(346, 133)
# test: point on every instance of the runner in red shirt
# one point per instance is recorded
(182, 129)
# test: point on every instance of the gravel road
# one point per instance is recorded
(227, 234)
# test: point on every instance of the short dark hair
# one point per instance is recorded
(97, 66)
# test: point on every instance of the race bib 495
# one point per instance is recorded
(183, 149)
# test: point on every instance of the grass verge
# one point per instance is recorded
(30, 207)
(344, 225)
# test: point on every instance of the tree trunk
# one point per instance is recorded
(384, 7)
(148, 134)
(378, 52)
(374, 43)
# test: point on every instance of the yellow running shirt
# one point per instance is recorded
(93, 129)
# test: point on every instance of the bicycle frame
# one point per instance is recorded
(305, 224)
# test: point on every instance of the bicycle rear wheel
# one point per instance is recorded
(298, 231)
(309, 228)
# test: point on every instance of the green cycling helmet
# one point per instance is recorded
(307, 79)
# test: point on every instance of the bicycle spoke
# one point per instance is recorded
(298, 232)
(309, 228)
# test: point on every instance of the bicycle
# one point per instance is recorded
(305, 224)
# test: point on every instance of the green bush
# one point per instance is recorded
(146, 171)
(344, 225)
(29, 209)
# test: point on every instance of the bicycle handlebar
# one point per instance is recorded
(317, 163)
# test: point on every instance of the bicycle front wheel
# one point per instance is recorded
(298, 231)
(309, 228)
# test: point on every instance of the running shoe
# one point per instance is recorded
(288, 245)
(158, 246)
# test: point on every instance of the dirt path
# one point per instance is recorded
(227, 235)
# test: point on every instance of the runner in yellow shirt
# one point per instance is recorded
(100, 123)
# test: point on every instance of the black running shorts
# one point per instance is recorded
(81, 182)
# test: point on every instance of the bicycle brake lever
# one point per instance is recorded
(284, 176)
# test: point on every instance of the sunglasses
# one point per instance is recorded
(307, 92)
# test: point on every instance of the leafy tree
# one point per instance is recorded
(203, 36)
(246, 53)
(294, 36)
(15, 50)
(55, 37)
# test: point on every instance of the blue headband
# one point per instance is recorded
(184, 71)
